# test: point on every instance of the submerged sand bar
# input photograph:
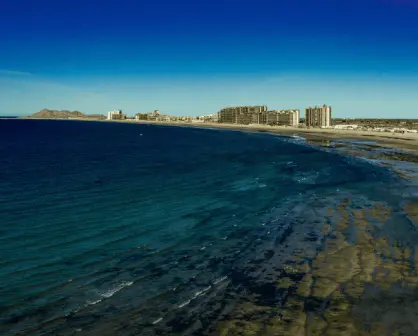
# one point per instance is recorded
(386, 139)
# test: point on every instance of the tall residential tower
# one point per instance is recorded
(258, 115)
(241, 114)
(318, 116)
(116, 115)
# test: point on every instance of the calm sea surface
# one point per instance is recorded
(144, 229)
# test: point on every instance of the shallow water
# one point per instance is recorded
(136, 229)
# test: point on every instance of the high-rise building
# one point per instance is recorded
(241, 114)
(280, 117)
(318, 116)
(115, 115)
(258, 115)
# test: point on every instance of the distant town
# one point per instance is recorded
(315, 117)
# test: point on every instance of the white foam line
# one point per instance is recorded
(206, 289)
(116, 289)
(219, 280)
(91, 303)
(183, 304)
(203, 291)
(158, 320)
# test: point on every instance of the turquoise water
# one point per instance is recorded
(155, 226)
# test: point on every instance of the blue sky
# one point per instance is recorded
(193, 58)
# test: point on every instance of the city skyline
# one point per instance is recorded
(189, 58)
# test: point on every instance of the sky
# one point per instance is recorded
(195, 57)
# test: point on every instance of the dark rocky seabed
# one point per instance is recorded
(172, 231)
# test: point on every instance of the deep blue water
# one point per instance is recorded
(108, 222)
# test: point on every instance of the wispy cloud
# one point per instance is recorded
(6, 72)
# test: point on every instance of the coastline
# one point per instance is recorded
(325, 277)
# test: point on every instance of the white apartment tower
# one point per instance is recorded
(114, 115)
(318, 116)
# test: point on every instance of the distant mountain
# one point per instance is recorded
(65, 114)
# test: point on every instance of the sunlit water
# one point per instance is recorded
(121, 228)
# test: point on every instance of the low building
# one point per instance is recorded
(346, 126)
(152, 116)
(188, 118)
(165, 118)
(210, 118)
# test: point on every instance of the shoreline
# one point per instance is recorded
(319, 264)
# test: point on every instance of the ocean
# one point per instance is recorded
(126, 229)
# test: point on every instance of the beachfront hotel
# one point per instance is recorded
(318, 116)
(115, 115)
(258, 114)
(281, 117)
(241, 114)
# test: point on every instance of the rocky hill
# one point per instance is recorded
(65, 114)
